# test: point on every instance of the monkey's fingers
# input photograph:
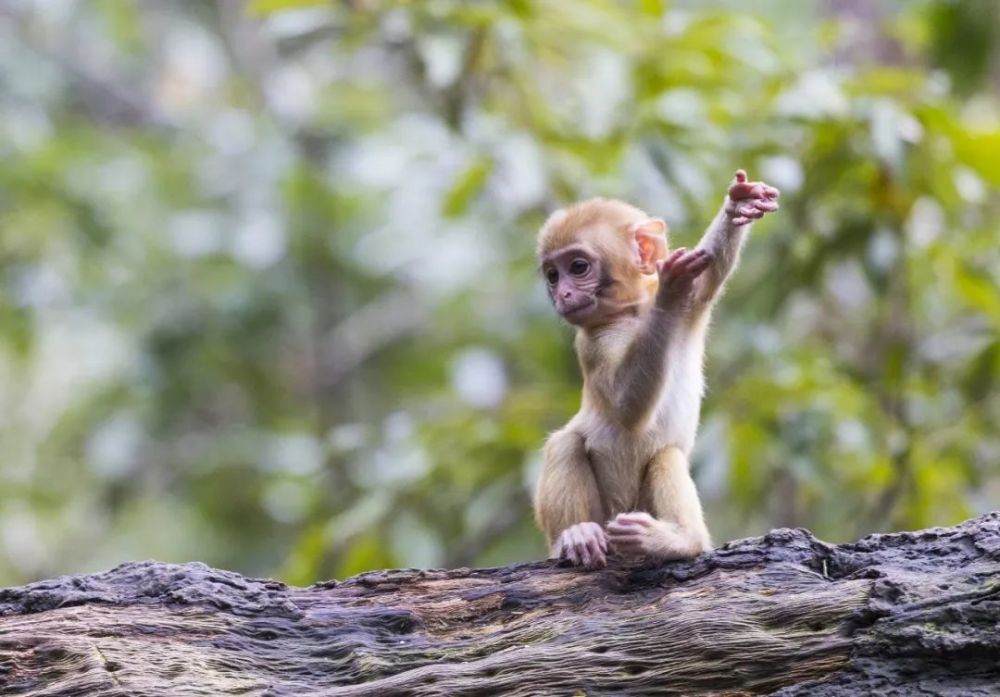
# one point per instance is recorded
(619, 528)
(674, 257)
(572, 552)
(682, 265)
(741, 221)
(666, 267)
(742, 190)
(629, 545)
(741, 176)
(766, 205)
(567, 547)
(595, 553)
(750, 212)
(636, 518)
(698, 266)
(580, 548)
(616, 529)
(692, 255)
(687, 270)
(695, 273)
(759, 190)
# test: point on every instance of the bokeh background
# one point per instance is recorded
(267, 294)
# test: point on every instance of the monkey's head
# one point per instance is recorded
(598, 259)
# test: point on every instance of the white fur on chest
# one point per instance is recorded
(618, 454)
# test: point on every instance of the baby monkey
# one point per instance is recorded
(616, 477)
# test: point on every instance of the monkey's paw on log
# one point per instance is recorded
(783, 614)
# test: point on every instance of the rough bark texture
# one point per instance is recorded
(784, 614)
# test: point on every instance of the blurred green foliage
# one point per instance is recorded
(267, 293)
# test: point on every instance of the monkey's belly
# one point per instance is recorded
(619, 456)
(629, 449)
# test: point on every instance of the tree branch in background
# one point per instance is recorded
(370, 328)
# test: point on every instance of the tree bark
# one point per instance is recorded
(782, 614)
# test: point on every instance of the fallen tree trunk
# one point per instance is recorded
(784, 614)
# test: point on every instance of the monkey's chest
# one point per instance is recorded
(620, 455)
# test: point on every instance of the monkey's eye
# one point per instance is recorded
(552, 276)
(579, 267)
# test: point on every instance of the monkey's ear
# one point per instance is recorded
(651, 241)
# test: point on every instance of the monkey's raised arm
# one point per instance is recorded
(723, 240)
(632, 385)
(746, 201)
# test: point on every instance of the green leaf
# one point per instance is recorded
(263, 7)
(466, 187)
(655, 8)
(981, 152)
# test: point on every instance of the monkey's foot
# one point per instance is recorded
(638, 534)
(583, 544)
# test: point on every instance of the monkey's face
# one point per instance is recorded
(573, 277)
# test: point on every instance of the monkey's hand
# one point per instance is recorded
(748, 201)
(677, 275)
(583, 544)
(639, 534)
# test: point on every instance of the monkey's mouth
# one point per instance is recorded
(577, 310)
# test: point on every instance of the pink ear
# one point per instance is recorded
(651, 240)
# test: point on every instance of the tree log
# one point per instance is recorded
(782, 614)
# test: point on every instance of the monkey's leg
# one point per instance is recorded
(670, 524)
(568, 505)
